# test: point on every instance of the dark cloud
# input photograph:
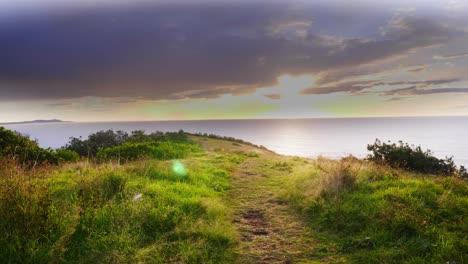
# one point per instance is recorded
(359, 86)
(424, 83)
(416, 91)
(347, 87)
(172, 51)
(401, 91)
(450, 56)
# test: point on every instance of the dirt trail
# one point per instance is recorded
(270, 232)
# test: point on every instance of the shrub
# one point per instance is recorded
(96, 141)
(107, 139)
(26, 151)
(65, 155)
(409, 157)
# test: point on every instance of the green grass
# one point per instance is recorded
(175, 203)
(86, 213)
(155, 150)
(374, 214)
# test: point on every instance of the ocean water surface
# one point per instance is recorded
(334, 137)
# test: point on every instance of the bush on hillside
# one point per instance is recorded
(96, 141)
(25, 151)
(107, 139)
(156, 150)
(409, 157)
(65, 155)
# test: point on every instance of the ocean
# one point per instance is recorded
(332, 137)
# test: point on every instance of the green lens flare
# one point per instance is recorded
(178, 168)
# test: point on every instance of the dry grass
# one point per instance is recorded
(338, 175)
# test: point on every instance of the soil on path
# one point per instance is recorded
(270, 232)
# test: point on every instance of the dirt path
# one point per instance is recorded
(270, 232)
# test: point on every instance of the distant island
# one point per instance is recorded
(35, 122)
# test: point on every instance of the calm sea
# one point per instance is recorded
(445, 136)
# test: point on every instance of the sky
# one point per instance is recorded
(122, 60)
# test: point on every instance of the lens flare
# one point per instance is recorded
(179, 169)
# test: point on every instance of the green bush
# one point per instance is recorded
(66, 155)
(409, 157)
(24, 150)
(155, 150)
(107, 139)
(96, 141)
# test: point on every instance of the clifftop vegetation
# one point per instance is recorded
(160, 198)
(414, 158)
(27, 152)
(106, 139)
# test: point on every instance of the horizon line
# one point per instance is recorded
(219, 119)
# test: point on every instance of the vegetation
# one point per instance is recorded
(168, 201)
(155, 150)
(230, 139)
(27, 152)
(404, 156)
(371, 213)
(147, 211)
(106, 139)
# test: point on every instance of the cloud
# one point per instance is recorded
(347, 87)
(417, 69)
(462, 107)
(450, 56)
(413, 90)
(173, 51)
(423, 83)
(354, 87)
(393, 99)
(274, 96)
(59, 104)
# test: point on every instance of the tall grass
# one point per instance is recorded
(140, 212)
(24, 204)
(376, 214)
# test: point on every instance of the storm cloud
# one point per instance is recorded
(173, 51)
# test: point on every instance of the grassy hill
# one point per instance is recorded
(218, 201)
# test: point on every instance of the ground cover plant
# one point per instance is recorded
(155, 150)
(372, 213)
(179, 198)
(147, 211)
